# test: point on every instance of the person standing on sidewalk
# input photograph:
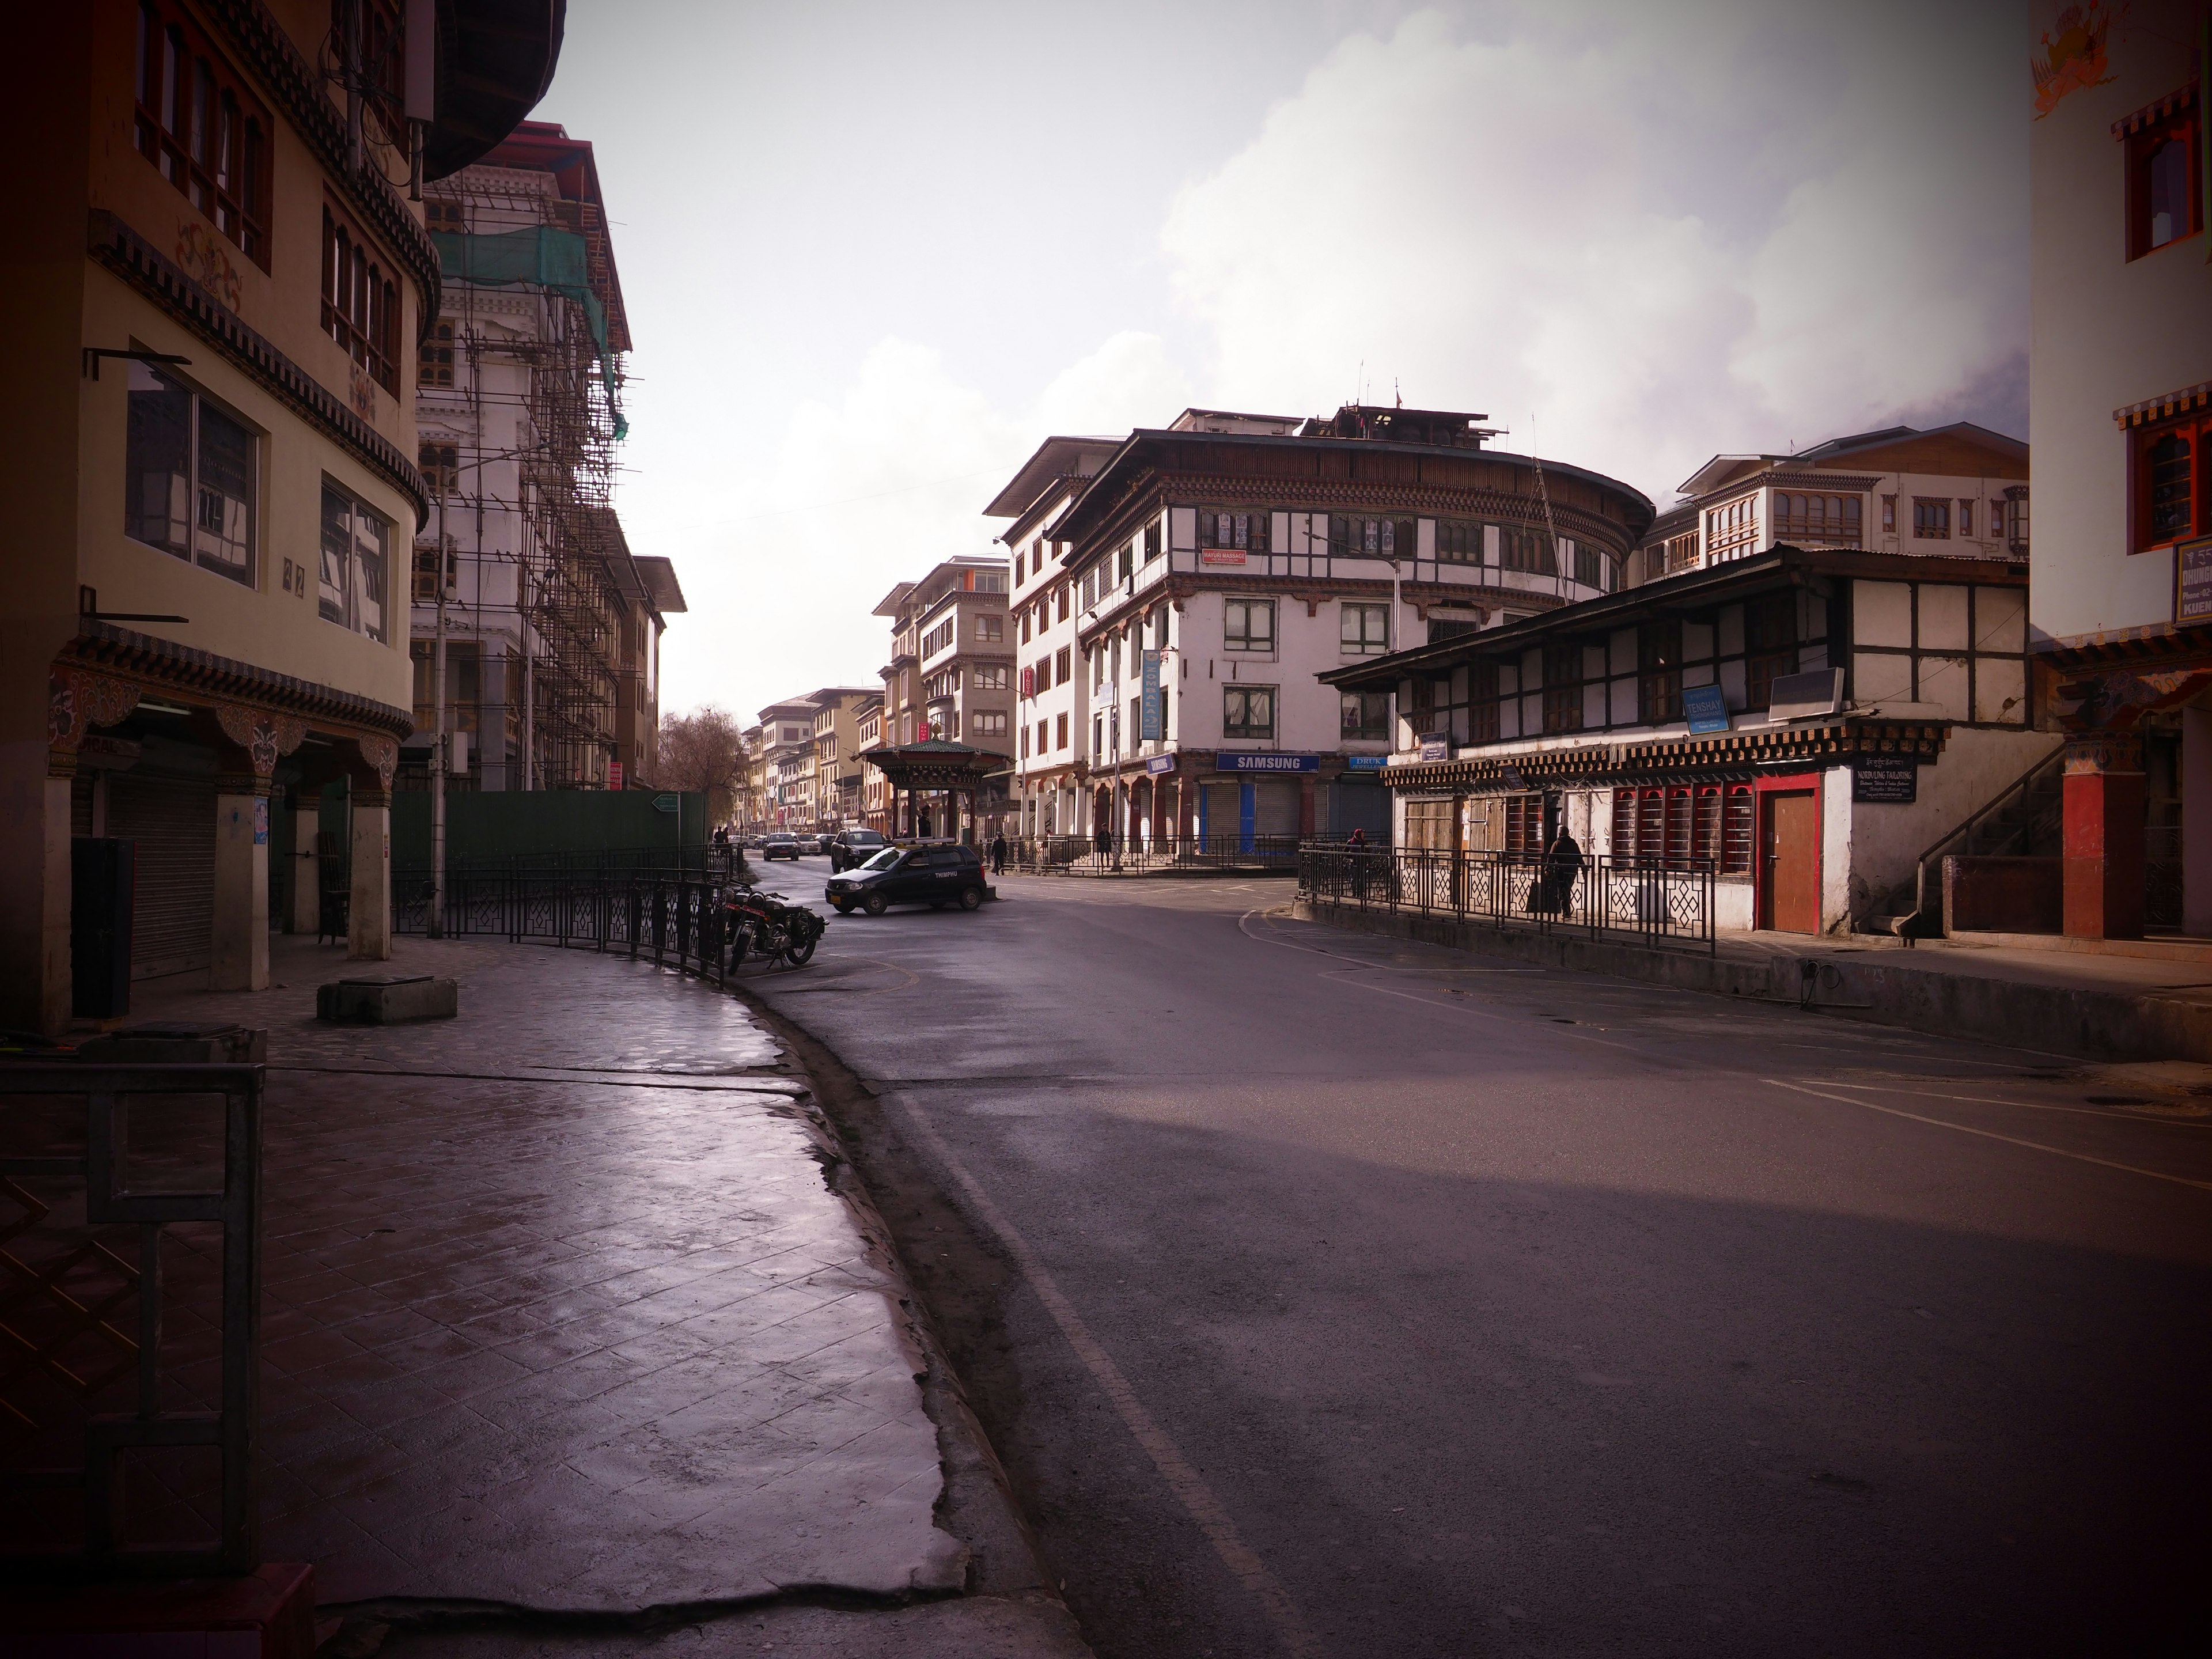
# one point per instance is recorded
(998, 854)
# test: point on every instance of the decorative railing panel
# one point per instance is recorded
(130, 1315)
(1661, 902)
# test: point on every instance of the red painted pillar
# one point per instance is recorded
(2105, 814)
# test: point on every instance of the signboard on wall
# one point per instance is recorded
(1365, 763)
(1436, 748)
(1885, 780)
(2192, 580)
(614, 775)
(1156, 764)
(1267, 763)
(1221, 555)
(1152, 720)
(1706, 708)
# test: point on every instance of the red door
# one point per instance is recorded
(1789, 853)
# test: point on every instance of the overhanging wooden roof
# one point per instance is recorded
(934, 764)
(1811, 742)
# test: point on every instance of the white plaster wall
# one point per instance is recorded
(2104, 332)
(1873, 850)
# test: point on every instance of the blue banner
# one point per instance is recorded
(1153, 716)
(1365, 763)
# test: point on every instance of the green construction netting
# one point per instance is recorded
(543, 257)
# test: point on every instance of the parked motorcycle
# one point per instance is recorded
(761, 925)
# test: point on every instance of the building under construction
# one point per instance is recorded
(551, 625)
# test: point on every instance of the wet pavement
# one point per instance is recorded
(1329, 1294)
(563, 1315)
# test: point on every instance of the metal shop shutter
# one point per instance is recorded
(1276, 810)
(1221, 809)
(172, 819)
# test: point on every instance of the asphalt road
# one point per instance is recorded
(1326, 1294)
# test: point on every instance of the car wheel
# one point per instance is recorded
(875, 904)
(971, 898)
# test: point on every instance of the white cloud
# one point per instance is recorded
(862, 491)
(1651, 227)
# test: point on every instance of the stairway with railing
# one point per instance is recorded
(2025, 819)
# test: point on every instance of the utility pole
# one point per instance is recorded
(437, 928)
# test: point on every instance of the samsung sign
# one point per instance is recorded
(1267, 763)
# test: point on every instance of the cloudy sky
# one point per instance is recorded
(873, 253)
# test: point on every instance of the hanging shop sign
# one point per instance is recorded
(1158, 763)
(1152, 715)
(2192, 580)
(1885, 780)
(1267, 763)
(1706, 709)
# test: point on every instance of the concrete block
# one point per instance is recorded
(388, 1000)
(176, 1042)
(269, 1614)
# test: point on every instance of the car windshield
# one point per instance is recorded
(865, 838)
(883, 860)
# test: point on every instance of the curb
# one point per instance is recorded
(2106, 1025)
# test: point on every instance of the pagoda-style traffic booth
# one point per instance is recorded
(937, 782)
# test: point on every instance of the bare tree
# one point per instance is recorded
(704, 751)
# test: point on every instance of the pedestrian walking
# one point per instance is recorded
(1563, 867)
(998, 854)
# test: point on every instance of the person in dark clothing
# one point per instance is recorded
(1105, 840)
(998, 854)
(1563, 867)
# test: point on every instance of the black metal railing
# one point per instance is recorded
(1086, 856)
(1666, 901)
(677, 921)
(123, 1272)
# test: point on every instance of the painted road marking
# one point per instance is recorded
(1991, 1134)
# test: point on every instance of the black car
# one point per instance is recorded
(779, 847)
(849, 848)
(936, 876)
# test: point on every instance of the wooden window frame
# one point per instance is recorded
(1931, 518)
(1459, 541)
(1363, 612)
(1841, 518)
(1563, 693)
(1659, 672)
(1350, 536)
(433, 368)
(1528, 548)
(1247, 643)
(2194, 429)
(200, 125)
(1248, 728)
(1770, 645)
(361, 301)
(1355, 711)
(2180, 126)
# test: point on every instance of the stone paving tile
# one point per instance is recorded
(554, 1336)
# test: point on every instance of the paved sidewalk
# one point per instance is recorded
(2065, 1003)
(562, 1314)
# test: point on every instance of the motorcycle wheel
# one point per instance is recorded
(797, 951)
(736, 946)
(875, 904)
